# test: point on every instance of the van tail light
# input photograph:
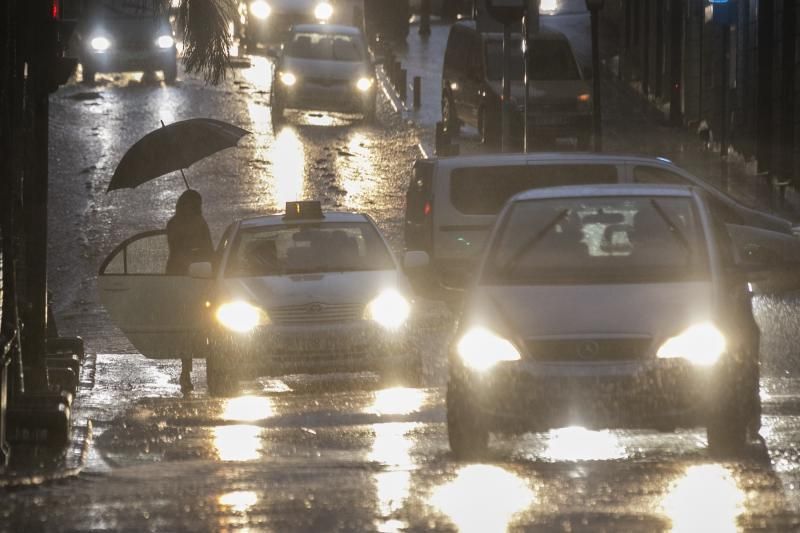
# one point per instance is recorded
(427, 209)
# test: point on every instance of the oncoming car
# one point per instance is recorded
(268, 21)
(324, 67)
(305, 292)
(607, 307)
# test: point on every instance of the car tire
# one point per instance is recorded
(88, 75)
(220, 378)
(489, 128)
(171, 73)
(466, 432)
(452, 125)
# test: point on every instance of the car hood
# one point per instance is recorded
(327, 288)
(657, 310)
(335, 70)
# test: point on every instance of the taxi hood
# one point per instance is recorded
(300, 289)
(657, 310)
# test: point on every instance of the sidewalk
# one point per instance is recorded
(630, 125)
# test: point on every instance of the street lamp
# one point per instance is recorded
(594, 6)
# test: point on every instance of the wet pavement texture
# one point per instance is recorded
(344, 452)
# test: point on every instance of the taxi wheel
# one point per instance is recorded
(727, 429)
(468, 435)
(220, 378)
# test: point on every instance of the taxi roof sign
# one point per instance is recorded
(307, 209)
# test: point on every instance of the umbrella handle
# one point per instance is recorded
(182, 174)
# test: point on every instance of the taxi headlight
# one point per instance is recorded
(389, 309)
(260, 9)
(241, 317)
(323, 11)
(288, 79)
(364, 84)
(100, 44)
(481, 349)
(165, 41)
(701, 344)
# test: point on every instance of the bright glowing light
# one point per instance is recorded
(706, 498)
(397, 401)
(392, 490)
(323, 11)
(247, 409)
(481, 349)
(239, 501)
(100, 44)
(389, 309)
(392, 446)
(585, 97)
(241, 317)
(548, 6)
(260, 9)
(237, 443)
(701, 344)
(288, 167)
(579, 444)
(364, 84)
(165, 41)
(482, 498)
(288, 79)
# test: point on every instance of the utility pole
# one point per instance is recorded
(764, 137)
(676, 63)
(724, 14)
(530, 24)
(594, 7)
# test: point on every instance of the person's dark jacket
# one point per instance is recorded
(188, 235)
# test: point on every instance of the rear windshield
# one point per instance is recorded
(484, 190)
(325, 46)
(599, 240)
(548, 60)
(308, 248)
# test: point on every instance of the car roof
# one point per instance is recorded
(579, 191)
(556, 157)
(544, 33)
(327, 28)
(276, 220)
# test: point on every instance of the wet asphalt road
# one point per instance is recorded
(341, 452)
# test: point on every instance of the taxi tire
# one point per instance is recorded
(466, 432)
(220, 379)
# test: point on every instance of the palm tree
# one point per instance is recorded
(203, 25)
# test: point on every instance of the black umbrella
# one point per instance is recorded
(172, 148)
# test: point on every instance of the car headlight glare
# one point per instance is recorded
(100, 44)
(364, 84)
(260, 9)
(241, 317)
(389, 309)
(702, 344)
(165, 41)
(323, 11)
(288, 79)
(480, 349)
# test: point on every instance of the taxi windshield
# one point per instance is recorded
(325, 46)
(599, 240)
(307, 249)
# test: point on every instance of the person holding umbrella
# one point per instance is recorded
(189, 241)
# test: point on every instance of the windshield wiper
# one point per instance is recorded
(533, 241)
(680, 237)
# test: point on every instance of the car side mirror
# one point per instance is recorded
(201, 270)
(415, 260)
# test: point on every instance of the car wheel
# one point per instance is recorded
(88, 75)
(220, 378)
(489, 128)
(450, 116)
(171, 73)
(468, 435)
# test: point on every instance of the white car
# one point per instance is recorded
(610, 306)
(305, 292)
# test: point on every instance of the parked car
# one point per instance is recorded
(269, 21)
(324, 67)
(559, 98)
(119, 36)
(305, 292)
(452, 203)
(608, 306)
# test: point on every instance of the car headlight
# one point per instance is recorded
(288, 79)
(241, 317)
(260, 9)
(702, 344)
(389, 309)
(165, 41)
(481, 349)
(323, 11)
(100, 44)
(364, 84)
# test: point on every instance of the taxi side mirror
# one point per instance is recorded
(415, 260)
(201, 270)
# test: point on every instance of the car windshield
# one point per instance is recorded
(307, 248)
(123, 9)
(325, 46)
(549, 60)
(599, 240)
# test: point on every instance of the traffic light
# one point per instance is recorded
(61, 68)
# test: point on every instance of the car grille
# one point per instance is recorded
(316, 313)
(326, 82)
(136, 43)
(588, 350)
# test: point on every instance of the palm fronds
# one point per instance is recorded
(206, 39)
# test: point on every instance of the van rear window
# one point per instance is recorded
(484, 190)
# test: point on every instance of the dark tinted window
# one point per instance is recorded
(548, 60)
(484, 190)
(325, 46)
